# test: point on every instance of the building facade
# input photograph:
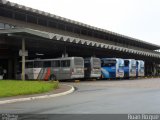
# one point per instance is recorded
(53, 36)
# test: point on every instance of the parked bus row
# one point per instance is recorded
(121, 68)
(78, 67)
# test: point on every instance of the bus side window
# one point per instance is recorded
(56, 63)
(38, 64)
(65, 63)
(29, 64)
(47, 63)
(68, 63)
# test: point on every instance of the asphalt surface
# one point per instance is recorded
(97, 97)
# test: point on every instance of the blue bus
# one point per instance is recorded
(129, 68)
(112, 68)
(140, 68)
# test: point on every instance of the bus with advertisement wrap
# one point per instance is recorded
(55, 69)
(112, 68)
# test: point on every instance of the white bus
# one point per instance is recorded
(55, 69)
(92, 67)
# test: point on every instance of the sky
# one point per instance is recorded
(135, 18)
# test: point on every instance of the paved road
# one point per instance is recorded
(127, 96)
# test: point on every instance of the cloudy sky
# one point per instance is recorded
(135, 18)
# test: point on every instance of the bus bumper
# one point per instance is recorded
(95, 75)
(77, 76)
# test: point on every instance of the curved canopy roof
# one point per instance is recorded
(62, 38)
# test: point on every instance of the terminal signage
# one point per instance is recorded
(21, 53)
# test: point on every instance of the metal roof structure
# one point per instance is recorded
(62, 38)
(46, 14)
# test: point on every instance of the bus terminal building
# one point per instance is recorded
(44, 35)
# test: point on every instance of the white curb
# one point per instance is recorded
(38, 97)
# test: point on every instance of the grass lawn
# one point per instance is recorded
(18, 87)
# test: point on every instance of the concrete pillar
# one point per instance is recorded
(15, 66)
(10, 69)
(23, 59)
(158, 69)
(154, 69)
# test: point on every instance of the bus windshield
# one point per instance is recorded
(29, 64)
(38, 64)
(121, 63)
(133, 64)
(78, 62)
(96, 63)
(141, 64)
(108, 63)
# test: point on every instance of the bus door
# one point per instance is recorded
(126, 68)
(56, 69)
(142, 68)
(137, 68)
(78, 68)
